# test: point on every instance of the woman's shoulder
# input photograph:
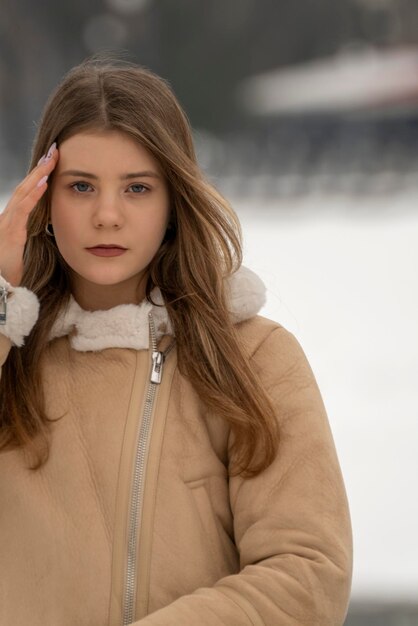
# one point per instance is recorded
(259, 331)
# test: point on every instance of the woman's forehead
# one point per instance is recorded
(109, 150)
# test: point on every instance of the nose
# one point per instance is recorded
(108, 212)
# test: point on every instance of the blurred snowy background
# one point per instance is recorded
(306, 117)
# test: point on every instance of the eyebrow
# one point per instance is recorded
(144, 174)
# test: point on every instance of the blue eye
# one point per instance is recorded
(76, 187)
(142, 189)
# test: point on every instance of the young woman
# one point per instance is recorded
(165, 456)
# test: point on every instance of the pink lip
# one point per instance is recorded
(107, 250)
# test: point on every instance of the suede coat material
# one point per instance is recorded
(135, 517)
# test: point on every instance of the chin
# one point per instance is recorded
(106, 281)
(108, 278)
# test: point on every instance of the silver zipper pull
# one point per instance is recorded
(157, 367)
(3, 305)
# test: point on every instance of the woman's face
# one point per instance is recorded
(109, 211)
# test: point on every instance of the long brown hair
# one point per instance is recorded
(201, 248)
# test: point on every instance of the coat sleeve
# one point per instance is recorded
(21, 315)
(291, 522)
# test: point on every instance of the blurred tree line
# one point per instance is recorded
(205, 49)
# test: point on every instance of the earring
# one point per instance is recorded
(50, 233)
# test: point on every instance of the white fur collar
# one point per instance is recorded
(127, 325)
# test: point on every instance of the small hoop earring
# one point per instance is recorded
(49, 232)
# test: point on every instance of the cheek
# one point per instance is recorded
(160, 226)
(64, 228)
(57, 212)
(62, 214)
(67, 228)
(152, 226)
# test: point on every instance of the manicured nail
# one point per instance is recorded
(42, 181)
(42, 159)
(51, 151)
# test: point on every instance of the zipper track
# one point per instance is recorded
(137, 491)
(136, 503)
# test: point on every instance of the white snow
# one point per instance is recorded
(342, 276)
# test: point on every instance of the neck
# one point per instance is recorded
(93, 297)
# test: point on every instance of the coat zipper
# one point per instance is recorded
(137, 491)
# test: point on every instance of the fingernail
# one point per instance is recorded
(51, 151)
(42, 159)
(42, 181)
